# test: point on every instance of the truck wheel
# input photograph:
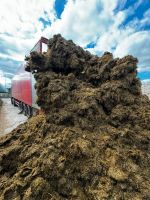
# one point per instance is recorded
(21, 107)
(12, 101)
(25, 109)
(15, 104)
(29, 111)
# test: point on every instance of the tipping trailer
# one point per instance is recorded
(23, 93)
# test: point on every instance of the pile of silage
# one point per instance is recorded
(92, 143)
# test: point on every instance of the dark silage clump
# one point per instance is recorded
(92, 143)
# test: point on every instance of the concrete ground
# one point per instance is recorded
(9, 117)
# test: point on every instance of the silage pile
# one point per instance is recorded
(93, 141)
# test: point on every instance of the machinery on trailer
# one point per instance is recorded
(23, 93)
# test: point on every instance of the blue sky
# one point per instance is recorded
(59, 7)
(119, 26)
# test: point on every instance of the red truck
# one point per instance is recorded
(23, 93)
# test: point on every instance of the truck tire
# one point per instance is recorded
(15, 104)
(21, 107)
(29, 111)
(12, 101)
(25, 109)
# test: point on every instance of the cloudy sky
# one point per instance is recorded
(119, 26)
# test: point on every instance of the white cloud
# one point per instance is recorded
(146, 20)
(146, 81)
(112, 38)
(146, 87)
(139, 24)
(138, 45)
(19, 16)
(14, 47)
(20, 26)
(83, 21)
(121, 4)
(147, 13)
(138, 3)
(4, 80)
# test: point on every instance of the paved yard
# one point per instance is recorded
(9, 117)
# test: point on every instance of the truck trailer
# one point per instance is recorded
(23, 93)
